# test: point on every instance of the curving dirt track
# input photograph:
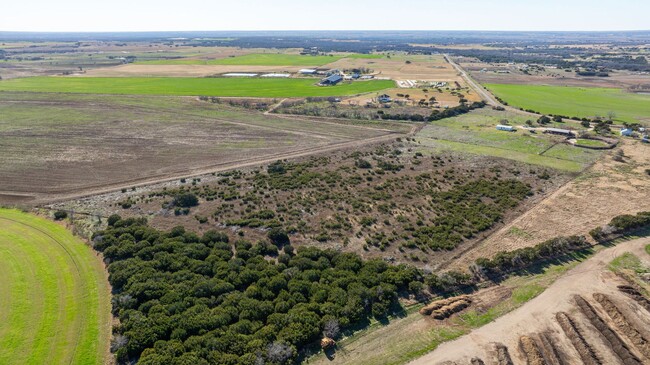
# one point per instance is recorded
(538, 315)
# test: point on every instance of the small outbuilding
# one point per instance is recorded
(627, 132)
(384, 98)
(307, 71)
(507, 128)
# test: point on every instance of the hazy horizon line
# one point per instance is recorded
(331, 30)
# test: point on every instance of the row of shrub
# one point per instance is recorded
(621, 225)
(507, 261)
(454, 111)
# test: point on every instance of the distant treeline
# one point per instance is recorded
(557, 57)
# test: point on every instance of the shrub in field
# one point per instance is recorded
(186, 200)
(60, 214)
(278, 237)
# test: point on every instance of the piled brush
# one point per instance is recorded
(435, 305)
(635, 294)
(448, 310)
(552, 354)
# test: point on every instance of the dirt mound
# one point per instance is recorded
(586, 352)
(531, 351)
(552, 354)
(502, 355)
(615, 342)
(635, 294)
(626, 325)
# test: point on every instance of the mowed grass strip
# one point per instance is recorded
(576, 101)
(186, 86)
(533, 159)
(256, 59)
(55, 296)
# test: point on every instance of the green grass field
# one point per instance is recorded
(236, 87)
(576, 101)
(256, 59)
(475, 133)
(54, 296)
(590, 142)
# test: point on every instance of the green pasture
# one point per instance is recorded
(590, 142)
(54, 296)
(476, 133)
(576, 101)
(256, 59)
(234, 87)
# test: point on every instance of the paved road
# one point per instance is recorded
(485, 95)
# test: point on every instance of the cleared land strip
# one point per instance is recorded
(58, 309)
(224, 166)
(115, 141)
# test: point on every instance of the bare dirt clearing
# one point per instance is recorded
(539, 316)
(67, 145)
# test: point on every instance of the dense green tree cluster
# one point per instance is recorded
(185, 299)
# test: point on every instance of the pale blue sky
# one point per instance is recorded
(159, 15)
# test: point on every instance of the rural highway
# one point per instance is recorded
(485, 95)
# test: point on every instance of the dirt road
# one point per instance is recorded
(591, 276)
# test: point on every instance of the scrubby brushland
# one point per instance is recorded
(388, 201)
